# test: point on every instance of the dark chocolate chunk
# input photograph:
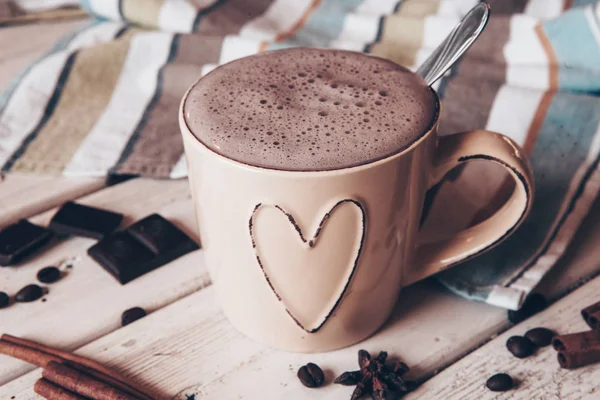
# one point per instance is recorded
(541, 337)
(19, 240)
(79, 220)
(161, 236)
(141, 248)
(123, 256)
(500, 383)
(29, 293)
(4, 300)
(131, 315)
(311, 375)
(48, 275)
(520, 346)
(533, 304)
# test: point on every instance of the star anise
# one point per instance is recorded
(382, 381)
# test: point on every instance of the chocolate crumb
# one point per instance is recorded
(541, 337)
(500, 383)
(533, 304)
(4, 300)
(48, 274)
(29, 293)
(132, 315)
(520, 346)
(311, 375)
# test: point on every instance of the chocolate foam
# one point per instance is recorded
(309, 109)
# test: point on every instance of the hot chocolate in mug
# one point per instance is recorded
(308, 169)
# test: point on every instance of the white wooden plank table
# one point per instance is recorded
(186, 345)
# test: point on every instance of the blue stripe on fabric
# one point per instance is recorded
(322, 26)
(561, 148)
(582, 3)
(86, 5)
(577, 51)
(151, 105)
(56, 95)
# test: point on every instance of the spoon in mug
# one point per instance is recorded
(458, 41)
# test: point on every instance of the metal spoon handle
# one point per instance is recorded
(459, 40)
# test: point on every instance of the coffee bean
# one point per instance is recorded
(48, 275)
(4, 300)
(29, 293)
(311, 375)
(541, 337)
(499, 383)
(131, 315)
(520, 346)
(533, 304)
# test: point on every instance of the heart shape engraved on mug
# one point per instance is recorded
(318, 269)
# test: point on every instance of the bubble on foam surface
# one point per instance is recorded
(309, 109)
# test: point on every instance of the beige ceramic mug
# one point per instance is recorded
(314, 261)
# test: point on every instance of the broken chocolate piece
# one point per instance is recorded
(123, 257)
(141, 248)
(19, 240)
(79, 220)
(161, 236)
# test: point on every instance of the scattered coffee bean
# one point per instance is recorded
(29, 293)
(4, 300)
(533, 304)
(541, 337)
(48, 275)
(499, 383)
(520, 346)
(311, 375)
(132, 315)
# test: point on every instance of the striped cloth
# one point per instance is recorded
(104, 101)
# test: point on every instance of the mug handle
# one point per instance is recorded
(457, 149)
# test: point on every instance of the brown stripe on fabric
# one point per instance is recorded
(299, 23)
(540, 113)
(158, 146)
(401, 38)
(84, 97)
(230, 16)
(263, 46)
(567, 4)
(417, 8)
(401, 35)
(505, 190)
(469, 96)
(508, 6)
(142, 12)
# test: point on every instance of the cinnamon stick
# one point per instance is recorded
(81, 383)
(571, 359)
(591, 315)
(26, 354)
(576, 341)
(40, 355)
(50, 391)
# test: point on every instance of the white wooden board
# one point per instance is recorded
(87, 303)
(24, 196)
(539, 376)
(190, 344)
